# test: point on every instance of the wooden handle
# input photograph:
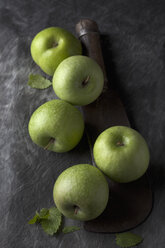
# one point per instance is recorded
(88, 33)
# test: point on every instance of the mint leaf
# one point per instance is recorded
(53, 222)
(68, 229)
(44, 213)
(33, 220)
(128, 239)
(38, 82)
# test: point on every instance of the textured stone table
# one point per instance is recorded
(133, 44)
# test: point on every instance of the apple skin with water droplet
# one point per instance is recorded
(51, 46)
(121, 153)
(81, 192)
(56, 125)
(78, 80)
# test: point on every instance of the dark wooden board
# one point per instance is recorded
(133, 47)
(129, 204)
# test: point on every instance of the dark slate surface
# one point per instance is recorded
(134, 52)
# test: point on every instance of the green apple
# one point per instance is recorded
(121, 153)
(78, 80)
(57, 126)
(81, 192)
(52, 45)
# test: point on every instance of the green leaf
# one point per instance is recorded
(68, 229)
(38, 82)
(44, 213)
(128, 239)
(53, 222)
(33, 220)
(50, 219)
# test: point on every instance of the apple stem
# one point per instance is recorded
(51, 141)
(84, 83)
(120, 143)
(76, 210)
(55, 44)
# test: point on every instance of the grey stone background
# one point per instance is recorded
(133, 44)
